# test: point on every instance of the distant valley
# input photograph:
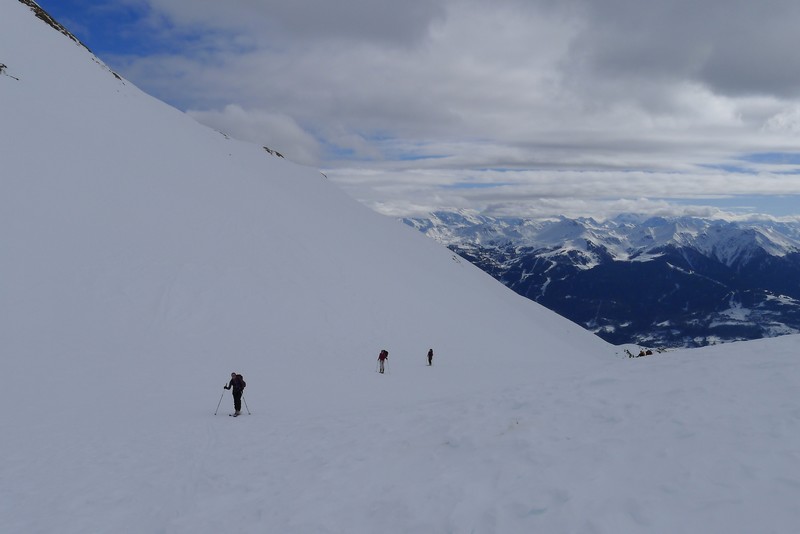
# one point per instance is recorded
(656, 282)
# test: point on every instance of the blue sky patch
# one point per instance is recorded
(736, 169)
(418, 157)
(773, 158)
(104, 27)
(111, 29)
(474, 185)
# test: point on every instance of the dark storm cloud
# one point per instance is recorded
(735, 47)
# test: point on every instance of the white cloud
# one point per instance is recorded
(623, 99)
(544, 193)
(787, 121)
(276, 131)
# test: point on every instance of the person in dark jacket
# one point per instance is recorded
(430, 357)
(382, 357)
(238, 385)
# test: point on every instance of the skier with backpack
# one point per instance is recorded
(237, 384)
(430, 357)
(382, 357)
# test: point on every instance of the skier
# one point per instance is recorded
(238, 385)
(430, 357)
(382, 357)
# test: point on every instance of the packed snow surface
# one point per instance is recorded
(145, 257)
(702, 440)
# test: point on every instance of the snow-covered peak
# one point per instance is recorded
(624, 237)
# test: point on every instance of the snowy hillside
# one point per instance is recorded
(145, 257)
(131, 224)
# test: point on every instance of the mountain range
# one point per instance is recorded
(655, 281)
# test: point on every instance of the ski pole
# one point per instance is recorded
(220, 402)
(245, 405)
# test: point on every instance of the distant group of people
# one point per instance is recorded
(384, 355)
(237, 383)
(642, 352)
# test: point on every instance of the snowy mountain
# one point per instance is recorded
(145, 257)
(656, 281)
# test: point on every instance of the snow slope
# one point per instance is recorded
(145, 257)
(130, 227)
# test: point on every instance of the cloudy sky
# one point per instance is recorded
(526, 107)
